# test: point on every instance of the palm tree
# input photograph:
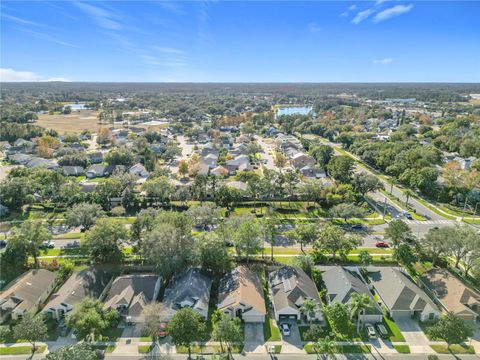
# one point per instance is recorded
(408, 193)
(325, 346)
(358, 305)
(309, 307)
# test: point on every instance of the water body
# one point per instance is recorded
(294, 110)
(75, 107)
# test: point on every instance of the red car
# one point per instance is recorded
(381, 244)
(162, 331)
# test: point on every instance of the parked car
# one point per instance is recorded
(371, 333)
(357, 227)
(382, 330)
(162, 330)
(408, 215)
(381, 244)
(48, 244)
(100, 353)
(3, 243)
(285, 329)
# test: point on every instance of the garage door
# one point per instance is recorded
(287, 317)
(253, 318)
(401, 314)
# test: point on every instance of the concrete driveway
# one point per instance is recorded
(414, 336)
(254, 342)
(292, 344)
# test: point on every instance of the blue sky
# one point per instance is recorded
(338, 41)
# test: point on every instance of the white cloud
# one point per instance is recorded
(21, 21)
(314, 27)
(102, 17)
(168, 50)
(392, 12)
(362, 15)
(384, 61)
(11, 75)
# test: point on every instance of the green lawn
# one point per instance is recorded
(343, 349)
(72, 235)
(146, 339)
(195, 349)
(236, 349)
(278, 348)
(21, 350)
(108, 348)
(270, 331)
(144, 349)
(402, 349)
(456, 349)
(394, 333)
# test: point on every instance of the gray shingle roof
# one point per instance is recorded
(341, 283)
(398, 291)
(192, 289)
(291, 286)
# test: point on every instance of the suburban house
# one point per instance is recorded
(129, 294)
(95, 157)
(73, 170)
(192, 289)
(42, 163)
(220, 171)
(19, 158)
(241, 295)
(86, 283)
(139, 170)
(401, 296)
(26, 293)
(451, 294)
(289, 288)
(313, 172)
(300, 160)
(99, 171)
(342, 282)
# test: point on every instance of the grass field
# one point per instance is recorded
(20, 350)
(456, 349)
(77, 121)
(402, 349)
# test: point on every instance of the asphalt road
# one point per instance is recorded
(270, 357)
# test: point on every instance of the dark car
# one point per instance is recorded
(382, 330)
(381, 244)
(357, 227)
(100, 353)
(3, 243)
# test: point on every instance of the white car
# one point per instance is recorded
(285, 329)
(372, 334)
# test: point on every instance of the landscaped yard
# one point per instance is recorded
(144, 349)
(270, 331)
(456, 349)
(402, 349)
(342, 349)
(394, 333)
(20, 350)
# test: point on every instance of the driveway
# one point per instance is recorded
(292, 344)
(254, 342)
(414, 336)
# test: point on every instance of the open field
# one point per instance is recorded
(77, 121)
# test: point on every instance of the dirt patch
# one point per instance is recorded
(75, 122)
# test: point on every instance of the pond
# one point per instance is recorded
(294, 110)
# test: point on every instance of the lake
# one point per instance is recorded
(294, 110)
